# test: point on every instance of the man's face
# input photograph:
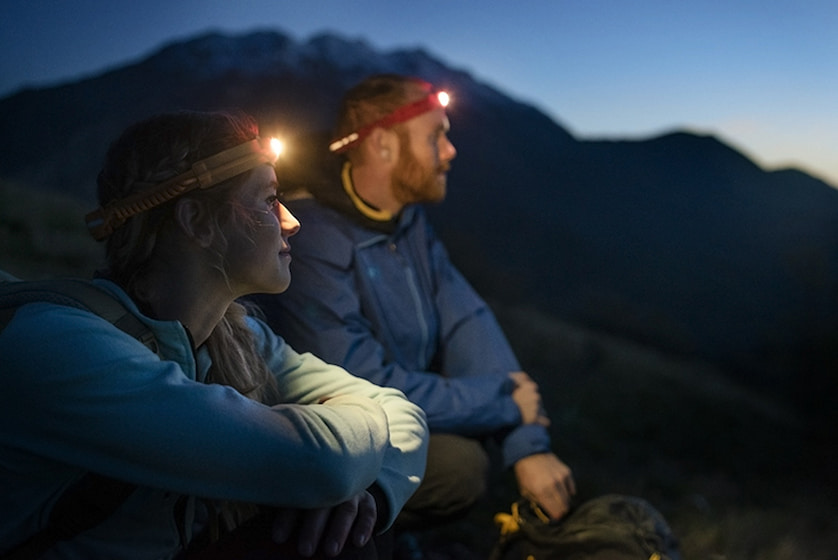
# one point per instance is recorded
(425, 155)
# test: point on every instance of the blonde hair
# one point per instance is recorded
(147, 154)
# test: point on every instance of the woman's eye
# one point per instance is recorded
(274, 206)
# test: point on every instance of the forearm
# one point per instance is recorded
(523, 441)
(127, 414)
(306, 378)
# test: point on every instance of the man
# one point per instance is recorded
(375, 292)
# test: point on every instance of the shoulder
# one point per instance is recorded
(60, 318)
(325, 233)
(267, 342)
(63, 303)
(49, 344)
(49, 318)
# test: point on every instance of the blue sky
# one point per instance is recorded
(762, 75)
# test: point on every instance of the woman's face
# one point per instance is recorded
(257, 257)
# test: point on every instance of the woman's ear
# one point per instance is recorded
(193, 220)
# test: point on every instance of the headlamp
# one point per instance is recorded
(276, 147)
(436, 100)
(204, 174)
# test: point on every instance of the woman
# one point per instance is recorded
(224, 415)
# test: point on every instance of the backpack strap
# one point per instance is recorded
(72, 292)
(94, 497)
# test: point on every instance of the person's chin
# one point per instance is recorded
(278, 288)
(280, 284)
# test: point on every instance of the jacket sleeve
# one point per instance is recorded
(472, 343)
(304, 378)
(79, 393)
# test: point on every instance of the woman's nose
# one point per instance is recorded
(289, 224)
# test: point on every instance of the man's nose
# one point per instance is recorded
(449, 152)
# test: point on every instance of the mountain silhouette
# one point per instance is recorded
(677, 241)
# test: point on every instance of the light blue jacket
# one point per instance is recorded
(80, 395)
(384, 301)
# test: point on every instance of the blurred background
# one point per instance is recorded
(760, 75)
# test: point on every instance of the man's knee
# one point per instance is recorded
(461, 468)
(455, 478)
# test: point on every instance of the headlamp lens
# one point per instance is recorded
(277, 147)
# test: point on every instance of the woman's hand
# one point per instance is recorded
(328, 529)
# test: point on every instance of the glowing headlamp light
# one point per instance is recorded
(436, 100)
(204, 174)
(276, 147)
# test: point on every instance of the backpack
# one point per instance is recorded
(610, 527)
(94, 497)
(71, 292)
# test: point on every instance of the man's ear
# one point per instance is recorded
(383, 145)
(192, 218)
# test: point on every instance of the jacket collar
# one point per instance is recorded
(344, 199)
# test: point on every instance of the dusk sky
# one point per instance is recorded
(761, 75)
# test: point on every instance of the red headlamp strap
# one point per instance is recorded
(438, 100)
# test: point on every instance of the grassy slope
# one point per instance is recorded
(732, 470)
(43, 234)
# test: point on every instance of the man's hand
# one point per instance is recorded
(328, 528)
(544, 479)
(528, 399)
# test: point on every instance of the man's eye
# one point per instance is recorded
(273, 201)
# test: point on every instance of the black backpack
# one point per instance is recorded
(94, 497)
(610, 527)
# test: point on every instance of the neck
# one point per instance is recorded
(195, 297)
(373, 192)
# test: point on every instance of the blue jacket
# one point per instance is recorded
(384, 301)
(80, 395)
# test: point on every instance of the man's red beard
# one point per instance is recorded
(413, 183)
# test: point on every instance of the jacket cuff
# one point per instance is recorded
(525, 440)
(382, 505)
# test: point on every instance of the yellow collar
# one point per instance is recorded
(363, 207)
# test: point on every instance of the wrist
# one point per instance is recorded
(382, 507)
